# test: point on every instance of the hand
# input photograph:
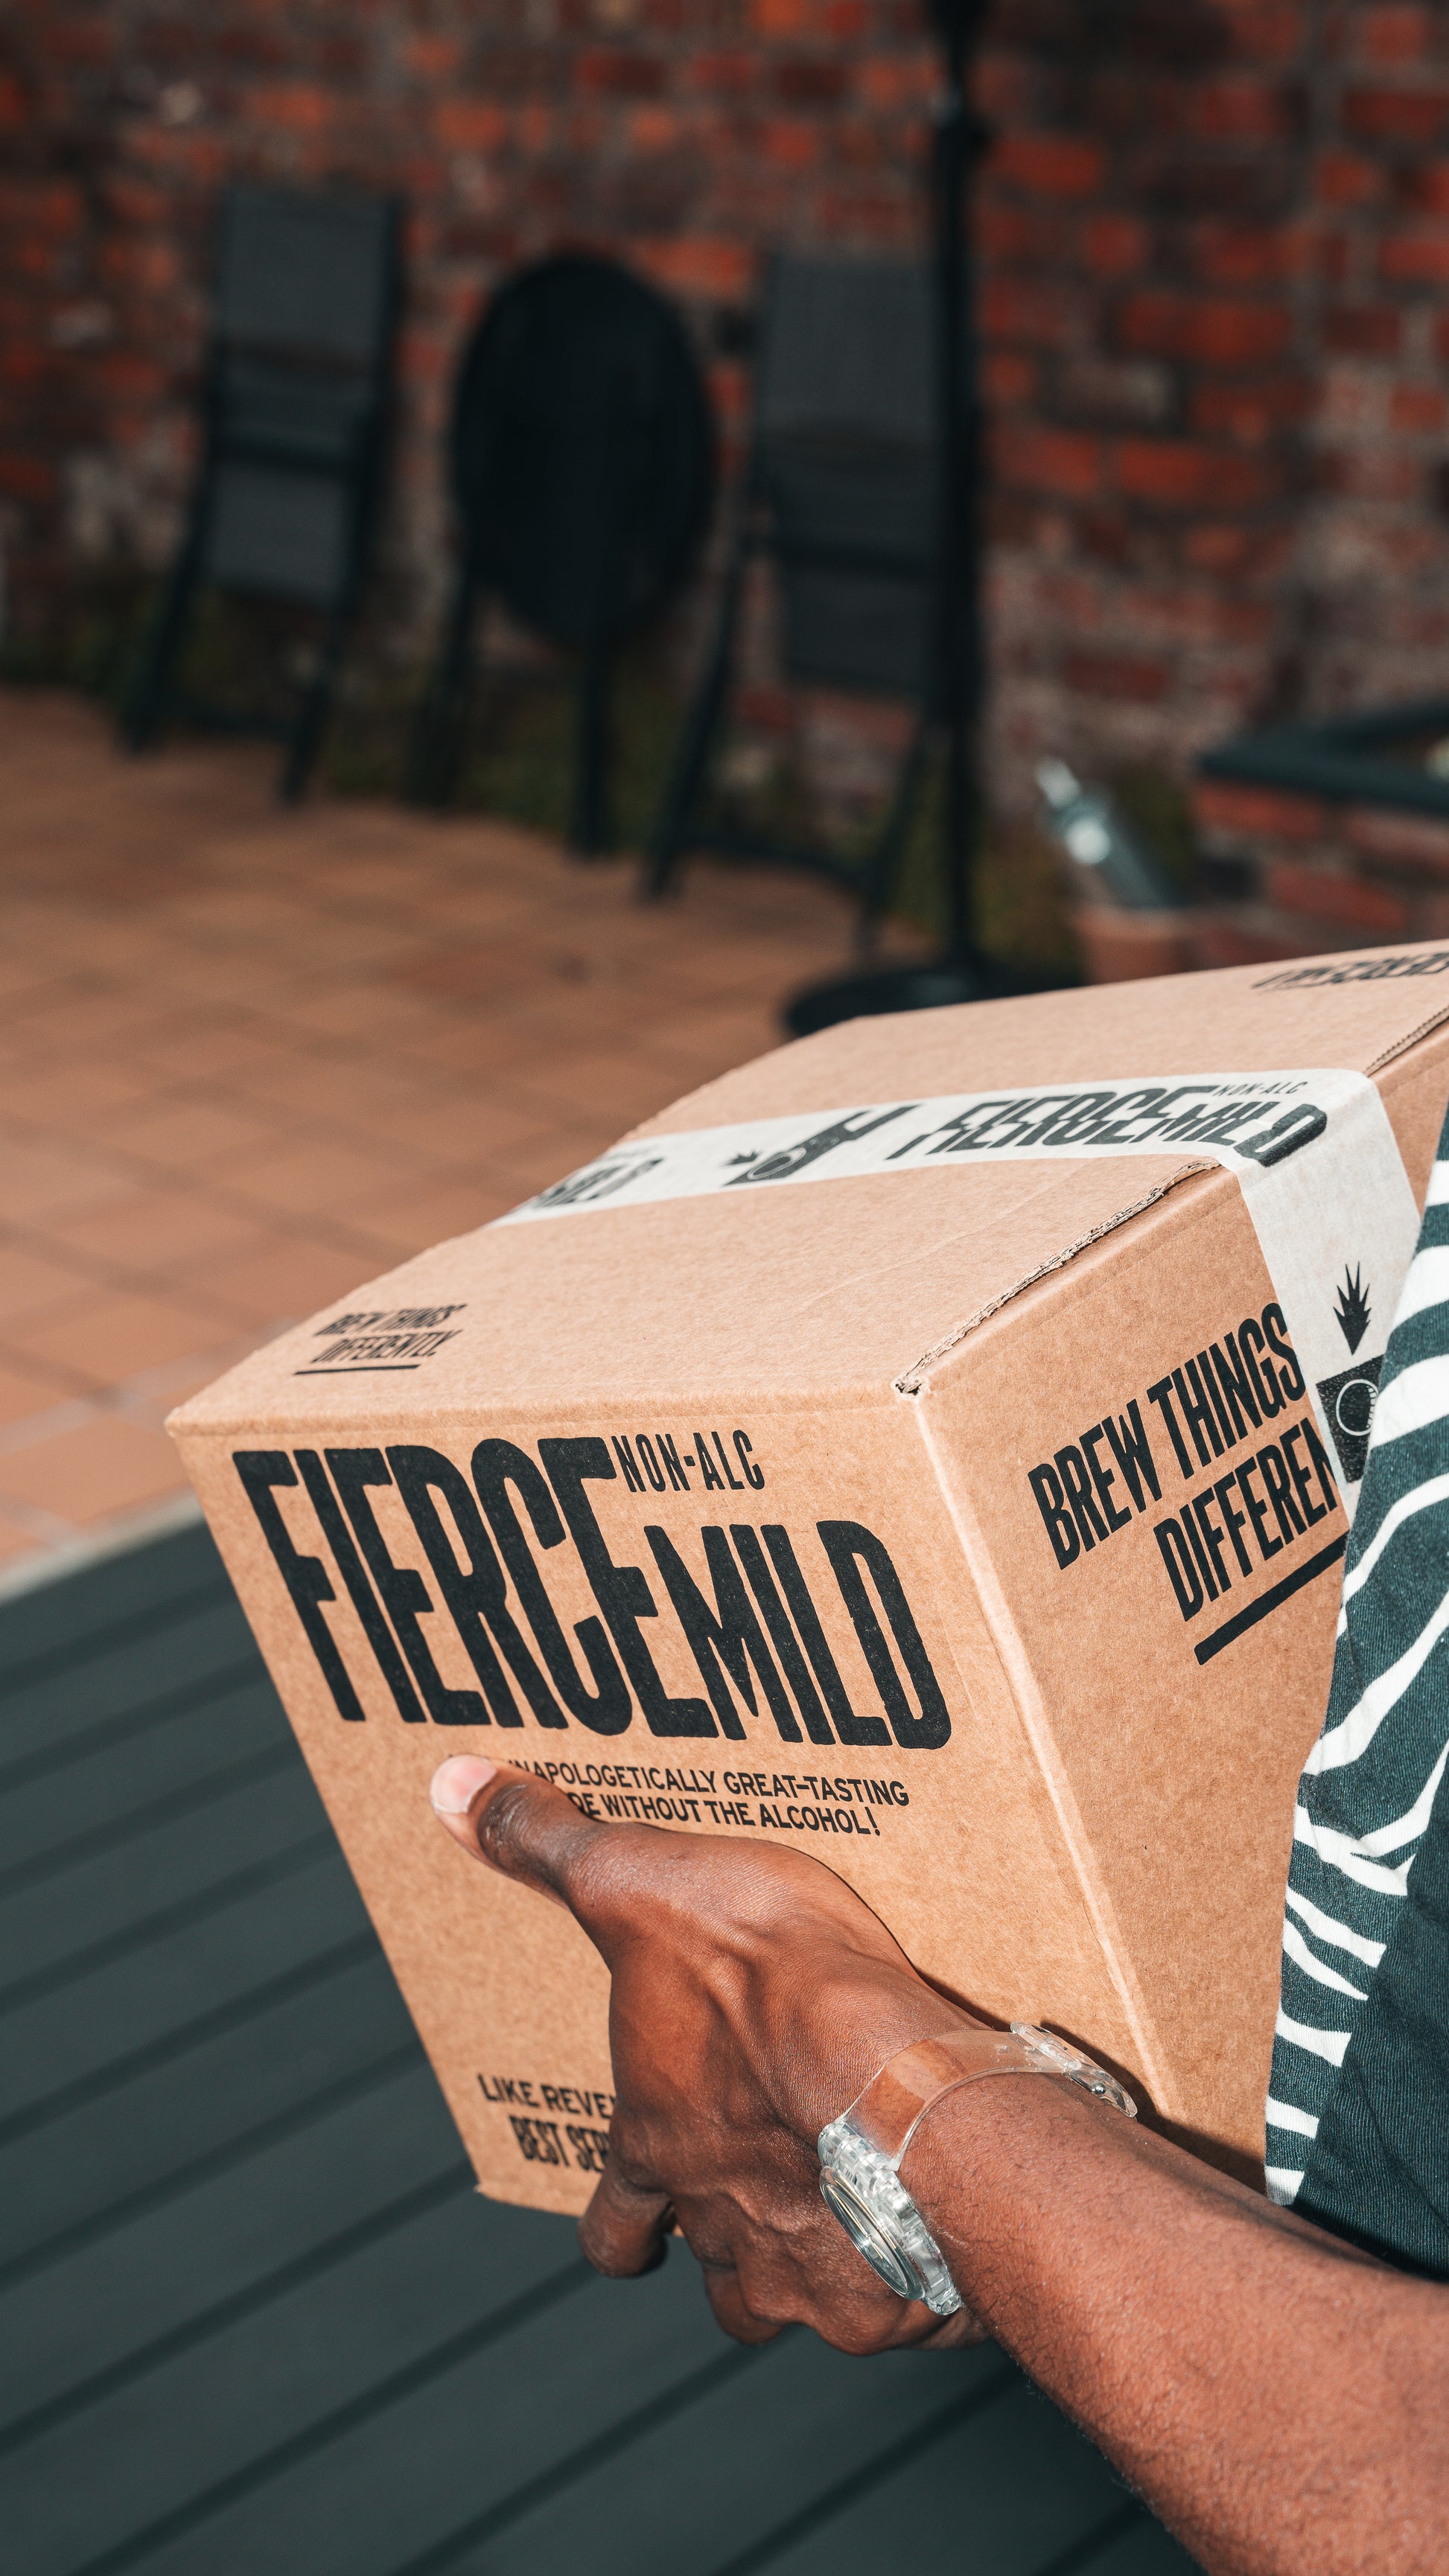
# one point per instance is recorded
(753, 1997)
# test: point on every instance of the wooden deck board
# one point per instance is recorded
(253, 2315)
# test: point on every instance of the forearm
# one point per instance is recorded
(1276, 2397)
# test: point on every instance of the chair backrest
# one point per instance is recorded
(847, 348)
(305, 302)
(307, 275)
(583, 456)
(845, 462)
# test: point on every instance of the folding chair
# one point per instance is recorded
(583, 476)
(295, 407)
(841, 493)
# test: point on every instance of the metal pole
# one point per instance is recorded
(963, 972)
(958, 140)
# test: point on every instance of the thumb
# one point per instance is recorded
(517, 1824)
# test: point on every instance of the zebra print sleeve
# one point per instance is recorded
(1358, 2110)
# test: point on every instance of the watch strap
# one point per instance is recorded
(887, 2113)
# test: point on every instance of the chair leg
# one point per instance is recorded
(590, 833)
(437, 741)
(316, 707)
(144, 702)
(696, 744)
(883, 865)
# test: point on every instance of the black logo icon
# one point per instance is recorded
(1348, 1402)
(1353, 1309)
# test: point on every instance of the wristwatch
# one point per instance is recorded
(861, 2152)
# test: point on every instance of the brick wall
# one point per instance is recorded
(1215, 249)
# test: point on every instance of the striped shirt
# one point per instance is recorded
(1358, 2107)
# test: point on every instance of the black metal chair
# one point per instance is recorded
(583, 475)
(841, 493)
(295, 412)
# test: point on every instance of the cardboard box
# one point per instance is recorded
(833, 1474)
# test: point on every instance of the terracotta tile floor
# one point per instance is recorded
(249, 1057)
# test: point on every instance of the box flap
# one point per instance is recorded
(841, 1288)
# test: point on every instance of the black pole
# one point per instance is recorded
(962, 973)
(958, 139)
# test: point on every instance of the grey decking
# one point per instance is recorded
(253, 2322)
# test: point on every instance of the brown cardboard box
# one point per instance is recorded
(910, 1440)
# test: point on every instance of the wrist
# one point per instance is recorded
(864, 2151)
(996, 2167)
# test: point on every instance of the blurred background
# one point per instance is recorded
(1211, 254)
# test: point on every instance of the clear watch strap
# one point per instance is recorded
(892, 2105)
(863, 2149)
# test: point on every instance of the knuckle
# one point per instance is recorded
(501, 1821)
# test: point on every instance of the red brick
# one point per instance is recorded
(27, 478)
(1016, 236)
(1116, 245)
(1116, 675)
(1010, 377)
(1250, 414)
(297, 107)
(49, 211)
(1391, 35)
(621, 73)
(1269, 812)
(1237, 255)
(1416, 117)
(1061, 462)
(725, 75)
(1050, 165)
(24, 361)
(887, 82)
(790, 143)
(1346, 179)
(470, 124)
(431, 57)
(1362, 330)
(1419, 410)
(809, 81)
(1327, 896)
(1178, 474)
(1416, 258)
(699, 264)
(1255, 554)
(1244, 110)
(1411, 844)
(1031, 312)
(1424, 186)
(1211, 332)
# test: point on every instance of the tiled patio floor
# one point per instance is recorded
(250, 1057)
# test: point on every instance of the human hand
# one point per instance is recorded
(753, 1996)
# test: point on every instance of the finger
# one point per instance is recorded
(732, 2310)
(517, 1824)
(625, 2229)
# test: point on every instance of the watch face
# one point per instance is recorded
(868, 2237)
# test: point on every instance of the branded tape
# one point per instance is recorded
(1312, 1150)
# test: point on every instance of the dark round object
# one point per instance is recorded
(908, 988)
(583, 455)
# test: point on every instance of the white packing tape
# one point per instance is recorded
(1312, 1149)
